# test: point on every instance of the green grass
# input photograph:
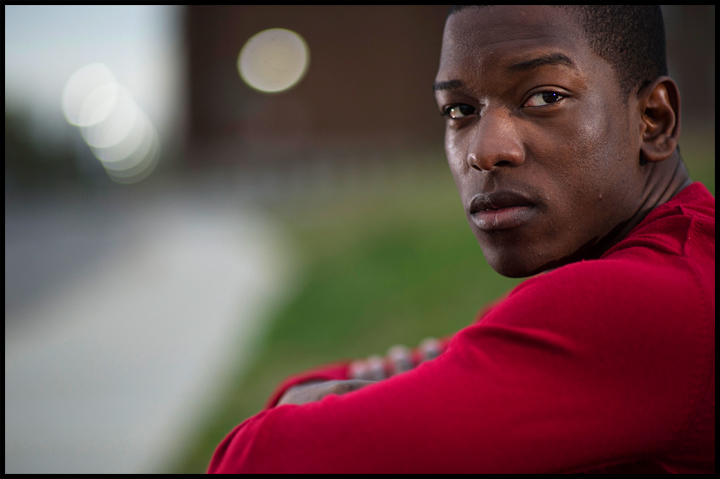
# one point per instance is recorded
(388, 264)
(698, 151)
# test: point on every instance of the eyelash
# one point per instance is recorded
(446, 111)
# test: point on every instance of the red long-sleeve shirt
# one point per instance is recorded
(598, 365)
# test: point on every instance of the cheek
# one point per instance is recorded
(590, 150)
(456, 156)
(454, 150)
(598, 176)
(608, 167)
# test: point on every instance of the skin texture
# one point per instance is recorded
(575, 153)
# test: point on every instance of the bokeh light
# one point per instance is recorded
(86, 94)
(115, 128)
(139, 164)
(274, 60)
(116, 125)
(128, 146)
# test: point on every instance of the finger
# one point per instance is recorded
(376, 366)
(400, 359)
(430, 348)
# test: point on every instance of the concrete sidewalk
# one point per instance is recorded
(110, 373)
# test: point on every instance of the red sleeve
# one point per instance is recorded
(594, 364)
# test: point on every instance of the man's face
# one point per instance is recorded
(544, 153)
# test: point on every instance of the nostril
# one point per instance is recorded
(476, 167)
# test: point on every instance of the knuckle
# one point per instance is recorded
(398, 351)
(358, 369)
(376, 368)
(430, 348)
(400, 359)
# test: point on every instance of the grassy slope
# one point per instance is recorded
(392, 265)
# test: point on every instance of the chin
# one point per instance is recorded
(513, 265)
(512, 271)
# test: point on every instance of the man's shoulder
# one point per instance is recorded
(604, 278)
(695, 200)
(610, 293)
(684, 226)
(643, 275)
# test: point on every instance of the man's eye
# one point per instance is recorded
(457, 112)
(544, 98)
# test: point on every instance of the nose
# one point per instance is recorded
(495, 143)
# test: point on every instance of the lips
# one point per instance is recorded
(498, 200)
(501, 210)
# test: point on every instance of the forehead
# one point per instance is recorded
(484, 38)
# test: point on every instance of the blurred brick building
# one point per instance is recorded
(368, 86)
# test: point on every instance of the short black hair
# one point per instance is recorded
(631, 38)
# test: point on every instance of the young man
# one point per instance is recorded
(562, 132)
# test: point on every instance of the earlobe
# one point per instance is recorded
(660, 115)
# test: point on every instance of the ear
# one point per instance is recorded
(659, 104)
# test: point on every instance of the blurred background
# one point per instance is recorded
(201, 201)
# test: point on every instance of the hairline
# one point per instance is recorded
(618, 80)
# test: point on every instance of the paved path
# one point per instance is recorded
(111, 372)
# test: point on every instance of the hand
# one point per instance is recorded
(363, 372)
(399, 359)
(315, 391)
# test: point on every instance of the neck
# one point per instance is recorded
(663, 181)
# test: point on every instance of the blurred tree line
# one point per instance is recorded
(31, 166)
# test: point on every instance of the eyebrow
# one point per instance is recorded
(447, 85)
(549, 59)
(545, 60)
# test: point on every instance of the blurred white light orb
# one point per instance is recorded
(123, 151)
(139, 156)
(140, 164)
(115, 126)
(274, 60)
(98, 104)
(79, 100)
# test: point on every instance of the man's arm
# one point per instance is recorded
(557, 378)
